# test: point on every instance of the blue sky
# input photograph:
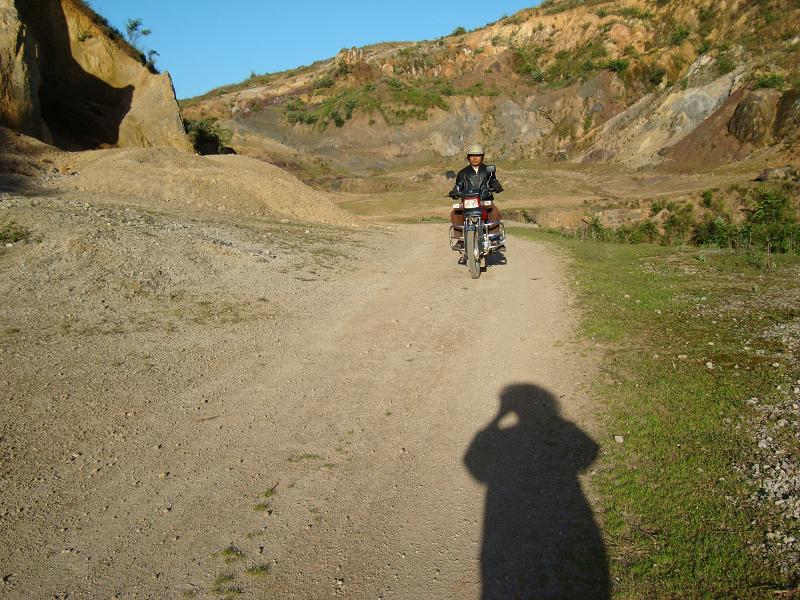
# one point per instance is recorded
(208, 43)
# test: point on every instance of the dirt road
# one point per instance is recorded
(361, 421)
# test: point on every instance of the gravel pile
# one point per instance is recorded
(775, 474)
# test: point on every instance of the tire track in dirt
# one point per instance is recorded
(414, 366)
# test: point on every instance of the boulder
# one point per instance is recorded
(787, 173)
(67, 82)
(753, 118)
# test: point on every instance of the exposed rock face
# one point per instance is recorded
(66, 82)
(754, 116)
(641, 134)
(19, 76)
(788, 113)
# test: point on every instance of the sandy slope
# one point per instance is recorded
(162, 370)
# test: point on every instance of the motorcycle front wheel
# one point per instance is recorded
(472, 252)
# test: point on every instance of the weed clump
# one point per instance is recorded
(259, 570)
(231, 554)
(12, 232)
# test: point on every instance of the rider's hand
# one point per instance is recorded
(495, 186)
(453, 194)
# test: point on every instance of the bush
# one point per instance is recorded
(296, 112)
(342, 69)
(337, 119)
(207, 136)
(459, 31)
(617, 65)
(679, 223)
(679, 35)
(716, 232)
(349, 107)
(771, 225)
(770, 206)
(326, 81)
(525, 61)
(654, 75)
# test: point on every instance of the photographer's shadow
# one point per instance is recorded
(540, 538)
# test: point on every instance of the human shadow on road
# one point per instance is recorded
(540, 538)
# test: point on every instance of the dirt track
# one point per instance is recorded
(362, 381)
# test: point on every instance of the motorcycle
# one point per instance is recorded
(481, 237)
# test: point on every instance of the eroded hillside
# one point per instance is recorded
(643, 83)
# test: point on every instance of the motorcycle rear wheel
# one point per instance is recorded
(472, 251)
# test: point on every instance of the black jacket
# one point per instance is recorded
(468, 181)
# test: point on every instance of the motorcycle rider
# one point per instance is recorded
(474, 178)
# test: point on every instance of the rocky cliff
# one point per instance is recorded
(66, 81)
(585, 80)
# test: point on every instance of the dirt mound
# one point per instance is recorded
(235, 183)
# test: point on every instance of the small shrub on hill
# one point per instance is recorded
(679, 35)
(297, 112)
(648, 75)
(207, 136)
(525, 61)
(342, 69)
(459, 31)
(326, 81)
(617, 65)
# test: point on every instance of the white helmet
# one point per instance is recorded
(475, 150)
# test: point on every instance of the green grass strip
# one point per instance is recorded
(674, 325)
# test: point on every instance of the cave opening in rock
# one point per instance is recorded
(81, 110)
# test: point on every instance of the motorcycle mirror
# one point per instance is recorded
(450, 174)
(490, 168)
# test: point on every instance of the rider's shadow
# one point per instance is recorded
(540, 539)
(496, 258)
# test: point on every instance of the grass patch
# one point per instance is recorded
(260, 570)
(221, 585)
(12, 232)
(262, 507)
(769, 81)
(231, 554)
(682, 330)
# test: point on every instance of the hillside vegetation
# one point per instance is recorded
(570, 77)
